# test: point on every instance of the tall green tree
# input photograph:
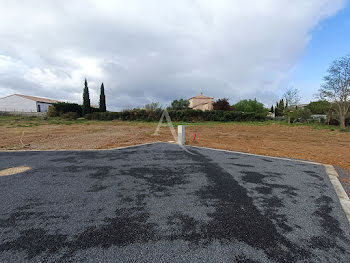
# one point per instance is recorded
(179, 105)
(86, 99)
(319, 107)
(102, 99)
(250, 106)
(279, 109)
(276, 110)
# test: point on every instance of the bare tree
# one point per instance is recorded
(336, 87)
(152, 106)
(292, 98)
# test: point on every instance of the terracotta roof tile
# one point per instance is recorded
(37, 99)
(201, 97)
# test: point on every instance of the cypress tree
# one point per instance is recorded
(277, 113)
(280, 107)
(102, 99)
(86, 99)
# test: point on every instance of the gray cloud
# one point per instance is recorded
(154, 50)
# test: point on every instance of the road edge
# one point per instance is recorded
(81, 150)
(254, 154)
(342, 195)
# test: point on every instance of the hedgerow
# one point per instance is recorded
(188, 115)
(64, 107)
(61, 108)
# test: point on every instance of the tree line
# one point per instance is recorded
(333, 101)
(218, 105)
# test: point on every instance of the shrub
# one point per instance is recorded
(334, 122)
(64, 107)
(69, 116)
(102, 116)
(88, 116)
(250, 106)
(93, 109)
(305, 114)
(52, 112)
(177, 115)
(294, 115)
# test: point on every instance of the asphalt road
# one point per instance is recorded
(158, 203)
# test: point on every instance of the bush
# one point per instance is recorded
(93, 109)
(250, 106)
(52, 112)
(69, 116)
(305, 114)
(177, 115)
(103, 116)
(65, 107)
(336, 122)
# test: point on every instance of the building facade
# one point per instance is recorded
(24, 103)
(201, 103)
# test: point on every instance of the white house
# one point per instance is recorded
(24, 103)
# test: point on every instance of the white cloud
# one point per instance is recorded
(155, 50)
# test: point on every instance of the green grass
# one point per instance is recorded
(345, 130)
(21, 121)
(322, 126)
(315, 126)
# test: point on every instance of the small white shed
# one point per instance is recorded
(24, 103)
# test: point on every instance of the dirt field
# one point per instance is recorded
(301, 142)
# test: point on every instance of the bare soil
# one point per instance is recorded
(300, 142)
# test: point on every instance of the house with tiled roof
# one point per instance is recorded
(25, 103)
(201, 102)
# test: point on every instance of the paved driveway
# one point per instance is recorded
(157, 203)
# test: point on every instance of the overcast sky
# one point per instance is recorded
(156, 50)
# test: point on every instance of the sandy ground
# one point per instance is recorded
(300, 142)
